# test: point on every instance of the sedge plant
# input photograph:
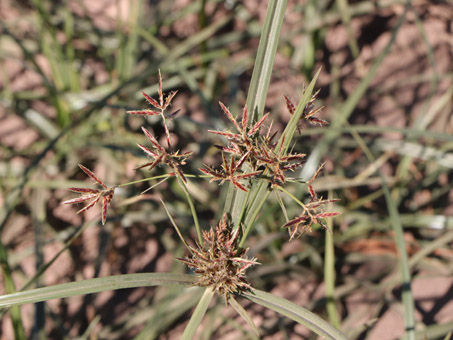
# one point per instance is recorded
(257, 161)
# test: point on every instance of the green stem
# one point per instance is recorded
(192, 209)
(244, 208)
(295, 199)
(329, 275)
(158, 177)
(143, 180)
(253, 215)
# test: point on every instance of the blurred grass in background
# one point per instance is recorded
(69, 71)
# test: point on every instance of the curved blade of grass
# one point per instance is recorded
(296, 313)
(16, 318)
(197, 315)
(243, 313)
(166, 313)
(94, 286)
(267, 48)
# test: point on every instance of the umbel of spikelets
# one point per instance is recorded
(220, 263)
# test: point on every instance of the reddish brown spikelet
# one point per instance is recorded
(143, 112)
(161, 94)
(258, 124)
(289, 105)
(312, 191)
(244, 118)
(169, 98)
(230, 117)
(318, 121)
(148, 151)
(151, 100)
(327, 214)
(161, 156)
(312, 214)
(297, 220)
(153, 140)
(92, 175)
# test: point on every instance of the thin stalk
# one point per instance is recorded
(329, 275)
(253, 214)
(158, 177)
(192, 209)
(261, 76)
(175, 226)
(295, 199)
(244, 207)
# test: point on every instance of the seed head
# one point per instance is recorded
(93, 194)
(220, 263)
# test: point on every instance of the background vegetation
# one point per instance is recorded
(70, 70)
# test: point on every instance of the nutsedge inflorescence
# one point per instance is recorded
(247, 158)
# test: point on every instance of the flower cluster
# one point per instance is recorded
(246, 146)
(309, 112)
(93, 194)
(161, 105)
(160, 154)
(312, 213)
(247, 156)
(220, 263)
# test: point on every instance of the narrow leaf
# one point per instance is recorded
(92, 175)
(91, 286)
(297, 313)
(197, 315)
(243, 313)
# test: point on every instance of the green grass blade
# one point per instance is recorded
(267, 48)
(94, 286)
(16, 318)
(262, 70)
(296, 313)
(329, 275)
(198, 315)
(243, 313)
